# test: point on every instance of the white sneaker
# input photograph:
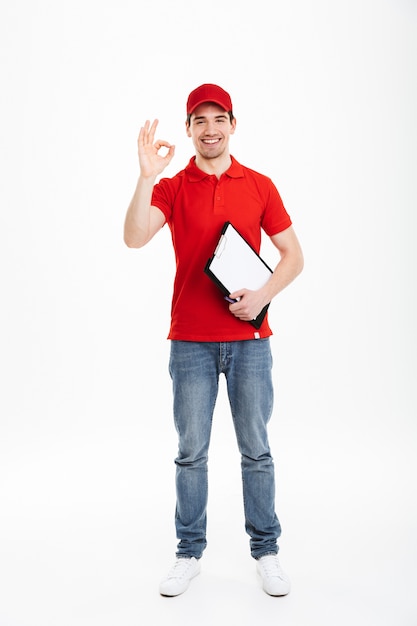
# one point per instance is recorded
(179, 576)
(274, 580)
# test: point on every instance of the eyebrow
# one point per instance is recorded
(203, 117)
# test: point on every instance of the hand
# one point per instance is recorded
(151, 163)
(249, 305)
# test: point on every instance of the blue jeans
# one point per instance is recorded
(195, 368)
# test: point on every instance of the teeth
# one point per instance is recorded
(210, 140)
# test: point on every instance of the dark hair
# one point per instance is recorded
(230, 114)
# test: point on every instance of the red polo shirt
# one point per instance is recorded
(196, 205)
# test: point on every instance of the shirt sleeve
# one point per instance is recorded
(275, 218)
(163, 197)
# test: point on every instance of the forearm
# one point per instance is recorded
(288, 268)
(137, 227)
(250, 303)
(290, 265)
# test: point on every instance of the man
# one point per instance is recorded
(210, 336)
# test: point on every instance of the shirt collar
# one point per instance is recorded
(194, 174)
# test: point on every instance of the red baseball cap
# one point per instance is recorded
(208, 93)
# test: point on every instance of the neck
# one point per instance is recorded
(215, 166)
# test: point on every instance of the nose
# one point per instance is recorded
(211, 127)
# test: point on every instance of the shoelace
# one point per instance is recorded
(180, 568)
(271, 566)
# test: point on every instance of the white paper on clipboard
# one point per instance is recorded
(235, 263)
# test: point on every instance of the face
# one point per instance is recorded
(210, 129)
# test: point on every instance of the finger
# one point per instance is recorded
(152, 130)
(170, 154)
(237, 295)
(143, 133)
(161, 143)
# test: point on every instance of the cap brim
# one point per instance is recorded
(204, 101)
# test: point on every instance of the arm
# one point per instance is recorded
(290, 265)
(142, 219)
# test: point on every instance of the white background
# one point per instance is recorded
(325, 98)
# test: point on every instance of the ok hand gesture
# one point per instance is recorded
(151, 163)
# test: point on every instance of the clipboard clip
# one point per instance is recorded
(220, 246)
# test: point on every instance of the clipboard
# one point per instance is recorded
(236, 265)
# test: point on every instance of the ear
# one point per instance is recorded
(187, 129)
(233, 125)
